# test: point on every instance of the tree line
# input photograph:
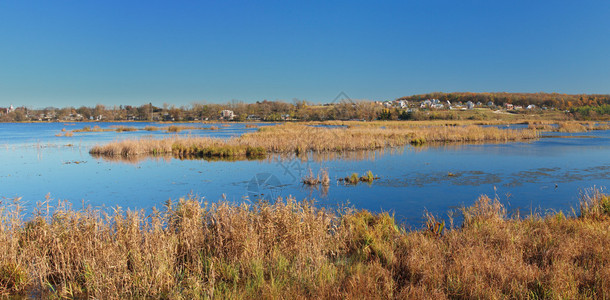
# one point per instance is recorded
(560, 101)
(582, 105)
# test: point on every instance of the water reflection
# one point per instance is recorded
(545, 174)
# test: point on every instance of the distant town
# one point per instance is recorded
(428, 106)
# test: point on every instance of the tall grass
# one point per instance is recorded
(296, 138)
(321, 178)
(289, 249)
(188, 146)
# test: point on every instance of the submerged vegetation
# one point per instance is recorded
(290, 249)
(299, 139)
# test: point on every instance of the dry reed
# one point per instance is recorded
(290, 249)
(295, 138)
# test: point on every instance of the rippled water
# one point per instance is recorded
(541, 175)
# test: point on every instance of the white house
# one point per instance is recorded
(227, 114)
(426, 103)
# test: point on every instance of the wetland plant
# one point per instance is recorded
(321, 178)
(291, 249)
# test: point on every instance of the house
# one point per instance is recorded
(518, 107)
(426, 103)
(253, 118)
(227, 115)
(403, 104)
(469, 105)
(531, 106)
(508, 106)
(490, 104)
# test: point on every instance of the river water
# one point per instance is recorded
(538, 176)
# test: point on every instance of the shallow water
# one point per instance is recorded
(542, 175)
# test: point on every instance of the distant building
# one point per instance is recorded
(508, 106)
(469, 105)
(531, 106)
(227, 114)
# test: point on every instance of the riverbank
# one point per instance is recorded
(291, 249)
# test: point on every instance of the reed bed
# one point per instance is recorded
(187, 146)
(294, 138)
(124, 128)
(299, 138)
(290, 249)
(95, 128)
(65, 134)
(313, 180)
(571, 127)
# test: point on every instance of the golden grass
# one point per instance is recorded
(296, 138)
(66, 134)
(581, 126)
(95, 128)
(188, 146)
(124, 128)
(571, 127)
(321, 178)
(299, 138)
(290, 249)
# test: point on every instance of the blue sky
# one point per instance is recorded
(72, 53)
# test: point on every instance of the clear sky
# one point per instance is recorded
(72, 53)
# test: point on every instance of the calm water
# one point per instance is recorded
(547, 174)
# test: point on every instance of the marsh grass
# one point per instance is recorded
(571, 127)
(124, 128)
(321, 178)
(300, 139)
(95, 128)
(290, 249)
(65, 133)
(354, 178)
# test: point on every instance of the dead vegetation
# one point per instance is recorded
(290, 249)
(296, 138)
